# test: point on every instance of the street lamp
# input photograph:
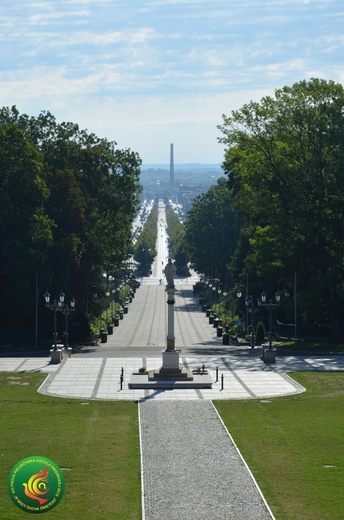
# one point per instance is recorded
(59, 306)
(239, 294)
(66, 311)
(269, 305)
(53, 307)
(249, 302)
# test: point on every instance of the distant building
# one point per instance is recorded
(171, 166)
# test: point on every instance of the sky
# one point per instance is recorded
(148, 73)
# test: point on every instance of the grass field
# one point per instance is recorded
(293, 445)
(96, 443)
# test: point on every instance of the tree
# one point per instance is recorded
(82, 193)
(26, 231)
(145, 247)
(176, 232)
(211, 230)
(284, 161)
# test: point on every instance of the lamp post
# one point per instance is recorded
(271, 306)
(225, 294)
(249, 302)
(53, 307)
(59, 306)
(286, 293)
(269, 354)
(239, 294)
(66, 311)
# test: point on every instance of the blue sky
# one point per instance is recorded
(147, 73)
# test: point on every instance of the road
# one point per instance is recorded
(143, 330)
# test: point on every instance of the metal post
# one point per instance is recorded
(217, 374)
(246, 317)
(55, 325)
(36, 312)
(270, 323)
(66, 340)
(252, 339)
(295, 309)
(222, 378)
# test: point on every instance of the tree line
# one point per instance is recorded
(176, 233)
(144, 250)
(68, 199)
(280, 210)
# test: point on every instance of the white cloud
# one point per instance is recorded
(139, 71)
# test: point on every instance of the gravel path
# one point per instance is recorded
(191, 469)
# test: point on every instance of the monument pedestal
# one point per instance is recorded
(55, 356)
(170, 359)
(170, 370)
(269, 355)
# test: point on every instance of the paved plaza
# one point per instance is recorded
(99, 378)
(93, 372)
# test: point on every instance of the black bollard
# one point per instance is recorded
(222, 378)
(217, 374)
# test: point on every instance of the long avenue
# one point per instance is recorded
(93, 372)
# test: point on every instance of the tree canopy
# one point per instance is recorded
(176, 233)
(68, 199)
(211, 230)
(145, 247)
(284, 161)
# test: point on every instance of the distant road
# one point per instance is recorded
(143, 330)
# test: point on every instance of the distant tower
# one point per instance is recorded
(171, 166)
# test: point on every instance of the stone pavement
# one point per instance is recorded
(99, 378)
(192, 469)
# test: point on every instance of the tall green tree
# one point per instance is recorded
(25, 229)
(211, 230)
(145, 247)
(284, 161)
(88, 206)
(176, 232)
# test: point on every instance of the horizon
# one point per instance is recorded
(193, 164)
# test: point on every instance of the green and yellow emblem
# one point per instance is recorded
(36, 484)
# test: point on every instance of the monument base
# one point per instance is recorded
(170, 359)
(141, 382)
(56, 355)
(170, 369)
(269, 355)
(170, 375)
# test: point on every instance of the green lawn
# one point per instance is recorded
(295, 446)
(97, 444)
